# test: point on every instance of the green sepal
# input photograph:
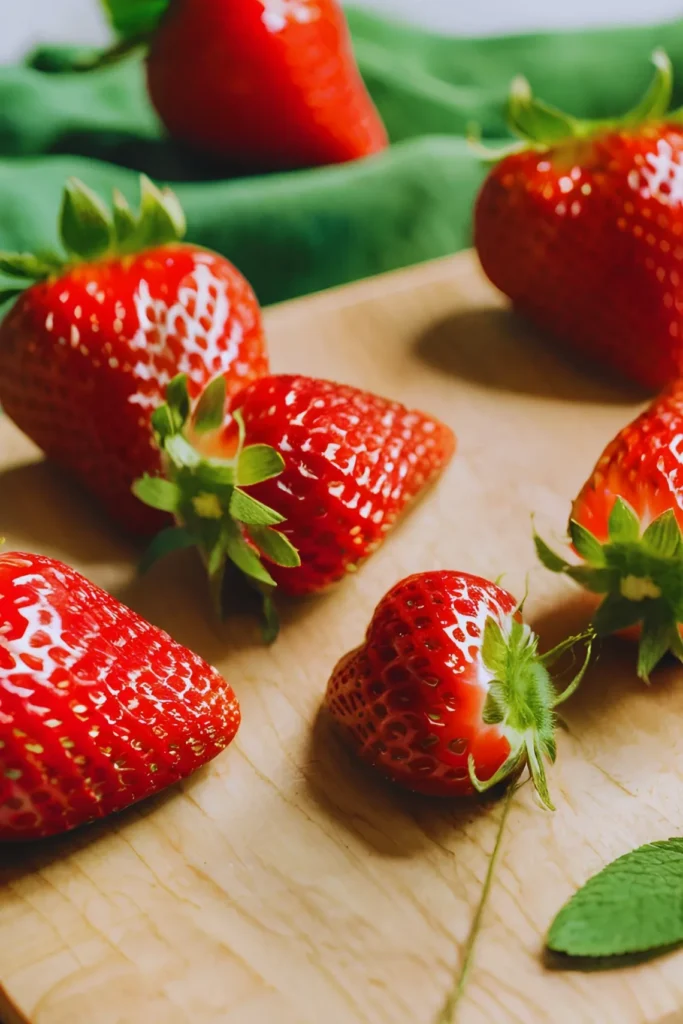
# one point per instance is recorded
(548, 558)
(248, 510)
(209, 412)
(224, 522)
(587, 546)
(623, 526)
(656, 641)
(541, 125)
(161, 217)
(158, 493)
(174, 538)
(663, 536)
(86, 226)
(494, 648)
(124, 219)
(616, 613)
(275, 546)
(258, 462)
(33, 267)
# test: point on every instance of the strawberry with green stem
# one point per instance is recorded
(626, 525)
(581, 226)
(96, 334)
(307, 476)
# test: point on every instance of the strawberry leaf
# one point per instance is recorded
(258, 462)
(588, 546)
(633, 905)
(86, 226)
(623, 525)
(135, 17)
(175, 538)
(275, 546)
(210, 409)
(252, 512)
(158, 493)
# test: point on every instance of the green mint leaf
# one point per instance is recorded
(616, 613)
(588, 546)
(178, 400)
(633, 905)
(494, 650)
(663, 536)
(173, 539)
(210, 409)
(623, 523)
(258, 462)
(548, 557)
(158, 493)
(86, 226)
(135, 17)
(252, 512)
(125, 224)
(161, 216)
(246, 559)
(25, 265)
(275, 546)
(655, 642)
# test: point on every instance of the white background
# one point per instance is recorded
(26, 22)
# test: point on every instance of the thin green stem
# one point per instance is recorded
(450, 1007)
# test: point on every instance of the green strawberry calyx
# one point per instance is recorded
(521, 700)
(207, 496)
(639, 574)
(89, 231)
(541, 125)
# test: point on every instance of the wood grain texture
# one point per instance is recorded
(284, 882)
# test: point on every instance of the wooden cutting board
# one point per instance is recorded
(284, 884)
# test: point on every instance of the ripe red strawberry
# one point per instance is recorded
(626, 526)
(87, 351)
(333, 467)
(98, 709)
(583, 230)
(264, 83)
(448, 694)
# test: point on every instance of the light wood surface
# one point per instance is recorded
(284, 883)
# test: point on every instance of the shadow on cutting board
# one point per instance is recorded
(497, 349)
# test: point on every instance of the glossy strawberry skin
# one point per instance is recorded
(86, 357)
(410, 699)
(353, 463)
(586, 239)
(266, 83)
(98, 708)
(643, 465)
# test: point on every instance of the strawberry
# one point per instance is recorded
(332, 466)
(583, 229)
(264, 83)
(98, 709)
(448, 694)
(626, 527)
(88, 349)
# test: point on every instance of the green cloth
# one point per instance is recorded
(303, 231)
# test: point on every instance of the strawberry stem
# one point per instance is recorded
(450, 1007)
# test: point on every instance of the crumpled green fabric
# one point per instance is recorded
(302, 231)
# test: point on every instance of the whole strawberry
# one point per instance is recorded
(626, 526)
(265, 83)
(448, 694)
(583, 230)
(88, 349)
(331, 466)
(98, 709)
